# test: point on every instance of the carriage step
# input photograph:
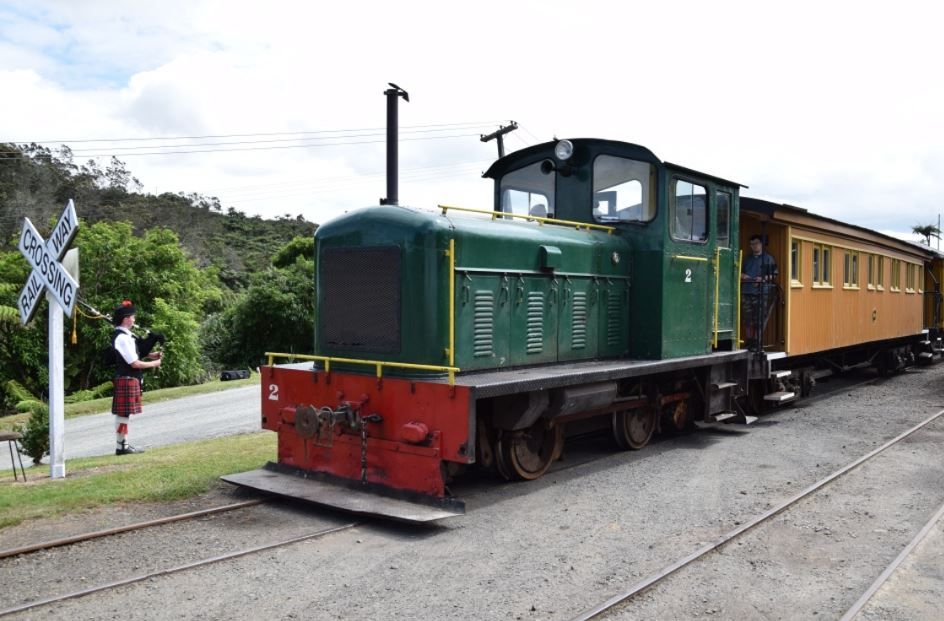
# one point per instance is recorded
(926, 356)
(721, 417)
(780, 374)
(925, 342)
(723, 385)
(780, 397)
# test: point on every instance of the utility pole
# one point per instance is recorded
(502, 130)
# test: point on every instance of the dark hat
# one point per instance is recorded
(125, 309)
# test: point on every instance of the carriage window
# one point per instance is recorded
(528, 191)
(880, 274)
(850, 270)
(724, 217)
(894, 282)
(822, 261)
(688, 212)
(623, 190)
(795, 263)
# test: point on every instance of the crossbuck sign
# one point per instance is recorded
(45, 256)
(48, 273)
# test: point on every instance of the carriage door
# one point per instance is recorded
(723, 313)
(688, 323)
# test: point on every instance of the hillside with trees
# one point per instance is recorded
(223, 287)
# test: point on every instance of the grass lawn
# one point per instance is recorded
(95, 406)
(160, 474)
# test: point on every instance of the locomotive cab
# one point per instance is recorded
(682, 226)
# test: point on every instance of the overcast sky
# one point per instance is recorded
(831, 106)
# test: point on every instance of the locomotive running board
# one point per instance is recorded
(351, 496)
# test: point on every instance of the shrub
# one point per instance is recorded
(35, 440)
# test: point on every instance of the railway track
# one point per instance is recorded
(179, 568)
(665, 572)
(65, 541)
(861, 603)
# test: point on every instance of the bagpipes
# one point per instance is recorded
(144, 343)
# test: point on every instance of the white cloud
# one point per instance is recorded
(833, 107)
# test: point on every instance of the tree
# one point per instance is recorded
(927, 231)
(275, 313)
(170, 293)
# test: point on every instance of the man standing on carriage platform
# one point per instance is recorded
(758, 291)
(126, 399)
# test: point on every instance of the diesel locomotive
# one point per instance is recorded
(601, 290)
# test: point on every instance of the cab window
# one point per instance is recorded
(724, 218)
(528, 191)
(623, 190)
(688, 210)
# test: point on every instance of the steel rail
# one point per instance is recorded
(885, 575)
(173, 570)
(670, 569)
(55, 543)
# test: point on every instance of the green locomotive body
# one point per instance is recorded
(539, 288)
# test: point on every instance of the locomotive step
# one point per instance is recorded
(926, 355)
(780, 374)
(780, 397)
(925, 342)
(723, 385)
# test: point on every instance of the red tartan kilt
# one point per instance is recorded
(126, 399)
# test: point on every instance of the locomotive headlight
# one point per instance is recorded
(563, 150)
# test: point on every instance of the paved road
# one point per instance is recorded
(200, 417)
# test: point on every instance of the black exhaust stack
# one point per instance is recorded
(393, 94)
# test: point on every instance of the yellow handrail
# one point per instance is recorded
(740, 259)
(375, 363)
(684, 257)
(717, 292)
(452, 302)
(504, 214)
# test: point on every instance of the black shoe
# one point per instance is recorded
(128, 450)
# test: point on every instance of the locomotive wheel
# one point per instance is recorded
(632, 429)
(526, 455)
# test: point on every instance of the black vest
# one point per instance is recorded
(122, 368)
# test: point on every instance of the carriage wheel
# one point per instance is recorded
(527, 454)
(632, 429)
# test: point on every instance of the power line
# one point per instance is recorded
(266, 141)
(320, 131)
(277, 147)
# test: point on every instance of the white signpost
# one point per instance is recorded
(49, 274)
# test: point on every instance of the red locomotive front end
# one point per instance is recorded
(340, 433)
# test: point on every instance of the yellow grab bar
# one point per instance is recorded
(379, 364)
(504, 214)
(684, 257)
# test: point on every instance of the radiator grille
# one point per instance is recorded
(360, 299)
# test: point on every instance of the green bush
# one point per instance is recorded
(35, 440)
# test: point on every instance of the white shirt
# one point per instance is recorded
(124, 345)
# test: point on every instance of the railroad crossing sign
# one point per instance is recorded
(48, 273)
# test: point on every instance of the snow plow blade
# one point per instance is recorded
(352, 496)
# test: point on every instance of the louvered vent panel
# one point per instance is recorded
(612, 319)
(535, 334)
(579, 328)
(483, 328)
